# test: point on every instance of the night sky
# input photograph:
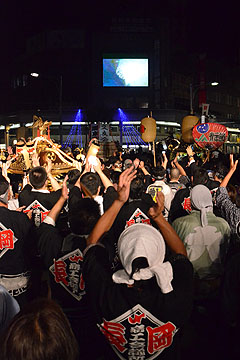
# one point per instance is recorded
(212, 27)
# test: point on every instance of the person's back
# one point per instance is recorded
(174, 182)
(206, 241)
(133, 212)
(15, 247)
(63, 258)
(181, 204)
(91, 186)
(140, 307)
(9, 307)
(36, 196)
(159, 174)
(139, 313)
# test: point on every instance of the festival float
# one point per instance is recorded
(45, 149)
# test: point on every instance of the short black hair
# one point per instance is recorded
(73, 176)
(115, 176)
(137, 188)
(4, 185)
(91, 181)
(83, 216)
(158, 172)
(37, 177)
(200, 176)
(221, 171)
(139, 263)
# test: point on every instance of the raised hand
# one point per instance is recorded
(233, 165)
(141, 165)
(175, 160)
(189, 151)
(20, 208)
(158, 208)
(124, 183)
(136, 163)
(98, 167)
(49, 166)
(35, 160)
(165, 161)
(64, 188)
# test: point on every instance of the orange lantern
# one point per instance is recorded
(188, 123)
(148, 129)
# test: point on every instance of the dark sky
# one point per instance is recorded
(212, 26)
(215, 27)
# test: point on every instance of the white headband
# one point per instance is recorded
(201, 199)
(142, 240)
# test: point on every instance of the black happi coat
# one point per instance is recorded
(138, 322)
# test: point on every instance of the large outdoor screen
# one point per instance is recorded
(125, 72)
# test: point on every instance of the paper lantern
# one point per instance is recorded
(210, 136)
(188, 123)
(148, 129)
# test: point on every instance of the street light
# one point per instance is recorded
(36, 75)
(193, 90)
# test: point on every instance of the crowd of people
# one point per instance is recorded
(122, 260)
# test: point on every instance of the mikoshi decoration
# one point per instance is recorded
(188, 123)
(210, 136)
(45, 149)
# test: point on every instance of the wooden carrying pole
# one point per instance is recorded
(154, 154)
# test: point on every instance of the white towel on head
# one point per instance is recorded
(201, 199)
(142, 240)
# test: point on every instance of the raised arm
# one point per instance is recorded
(107, 219)
(142, 167)
(53, 181)
(165, 161)
(233, 167)
(35, 160)
(178, 166)
(170, 236)
(55, 211)
(105, 180)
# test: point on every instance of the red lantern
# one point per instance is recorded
(210, 136)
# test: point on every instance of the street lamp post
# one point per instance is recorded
(59, 107)
(193, 90)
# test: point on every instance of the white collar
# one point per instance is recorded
(41, 191)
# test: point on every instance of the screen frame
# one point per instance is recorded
(126, 56)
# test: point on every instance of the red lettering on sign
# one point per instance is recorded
(114, 333)
(130, 222)
(60, 272)
(187, 204)
(81, 283)
(6, 239)
(44, 214)
(146, 221)
(76, 258)
(160, 337)
(137, 319)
